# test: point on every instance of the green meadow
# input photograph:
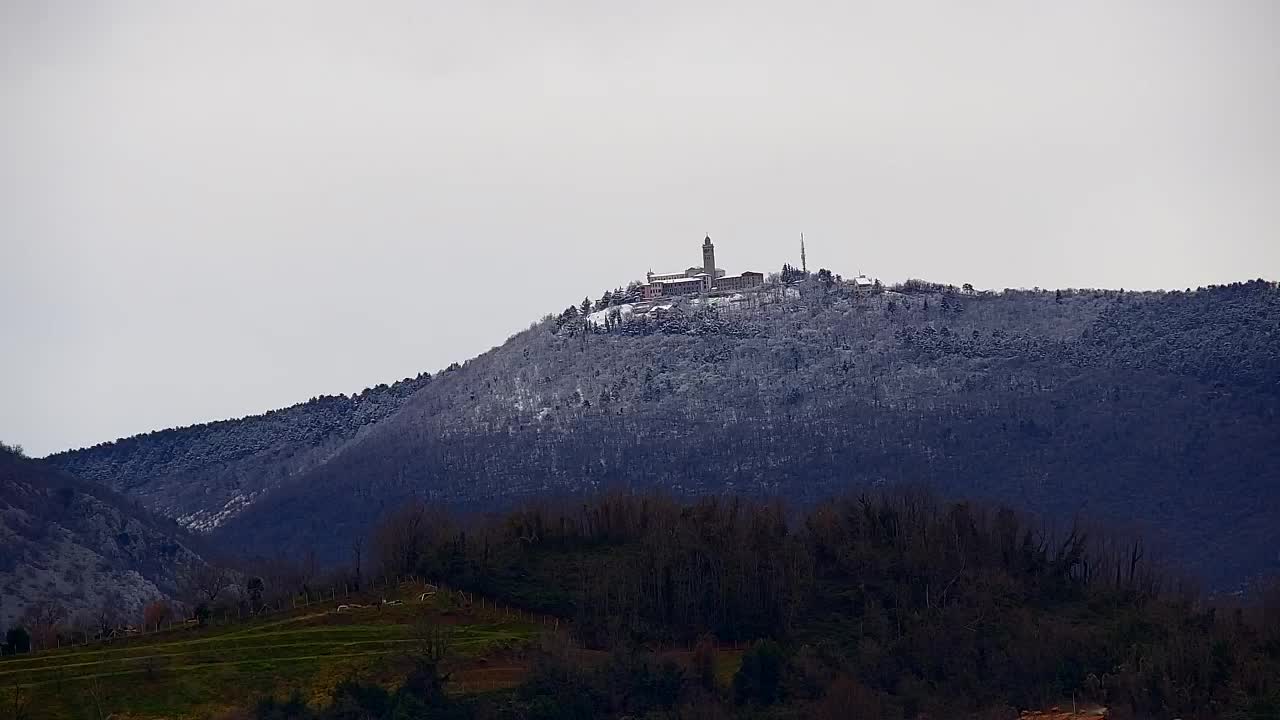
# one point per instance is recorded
(200, 672)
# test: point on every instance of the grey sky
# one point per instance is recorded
(209, 209)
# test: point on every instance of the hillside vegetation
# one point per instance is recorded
(72, 552)
(882, 605)
(885, 605)
(200, 672)
(203, 474)
(1154, 410)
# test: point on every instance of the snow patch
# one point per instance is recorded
(598, 317)
(207, 521)
(524, 399)
(719, 300)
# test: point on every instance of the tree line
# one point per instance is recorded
(913, 603)
(897, 603)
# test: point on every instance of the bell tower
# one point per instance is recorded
(709, 261)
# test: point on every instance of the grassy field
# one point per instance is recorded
(199, 672)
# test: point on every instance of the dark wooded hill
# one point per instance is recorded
(1157, 410)
(885, 605)
(1152, 409)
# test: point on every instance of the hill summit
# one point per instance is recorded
(1157, 409)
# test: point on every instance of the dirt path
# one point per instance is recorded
(222, 663)
(1091, 712)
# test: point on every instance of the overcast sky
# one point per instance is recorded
(209, 209)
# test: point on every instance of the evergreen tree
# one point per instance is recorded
(790, 273)
(18, 640)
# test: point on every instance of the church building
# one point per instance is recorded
(695, 280)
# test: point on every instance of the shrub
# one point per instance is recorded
(760, 677)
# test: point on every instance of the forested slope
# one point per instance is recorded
(1154, 409)
(79, 548)
(882, 605)
(203, 474)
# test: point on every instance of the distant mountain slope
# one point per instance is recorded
(1155, 409)
(76, 543)
(203, 474)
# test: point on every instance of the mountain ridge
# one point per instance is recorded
(175, 471)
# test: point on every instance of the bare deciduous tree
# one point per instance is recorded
(357, 553)
(156, 614)
(44, 618)
(205, 583)
(403, 542)
(110, 614)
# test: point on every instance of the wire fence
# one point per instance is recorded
(377, 593)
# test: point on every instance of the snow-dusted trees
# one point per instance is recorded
(802, 398)
(791, 273)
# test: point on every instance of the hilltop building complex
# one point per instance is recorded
(694, 280)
